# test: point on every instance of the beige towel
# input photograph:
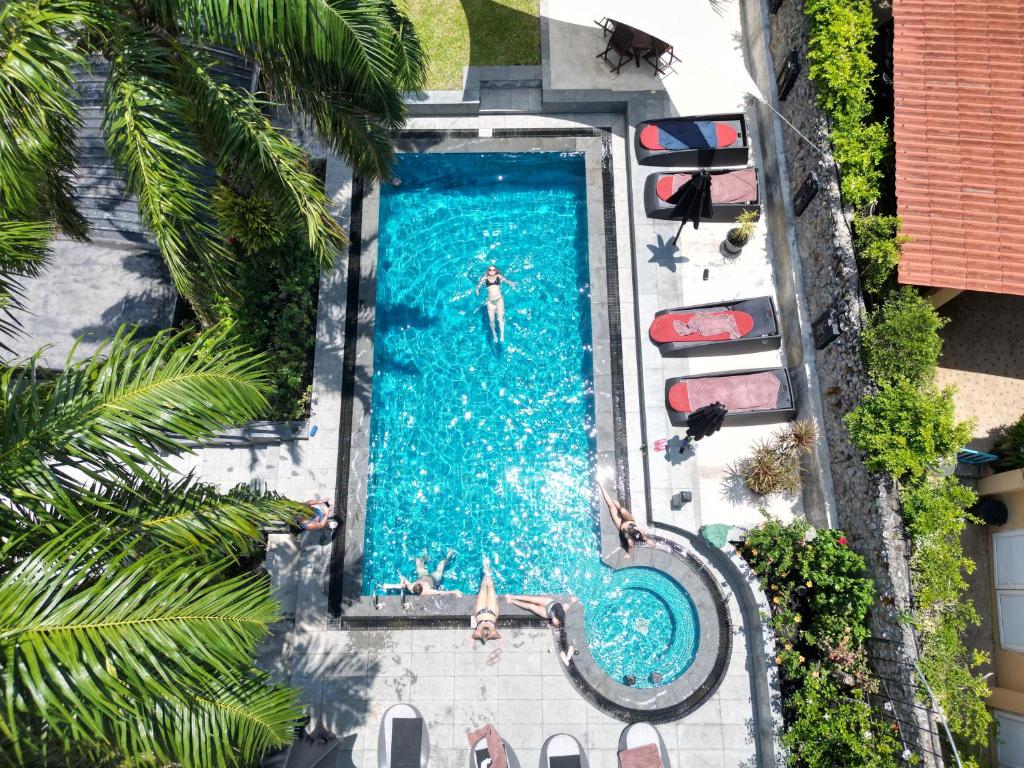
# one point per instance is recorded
(647, 756)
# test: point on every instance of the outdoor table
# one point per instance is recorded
(642, 43)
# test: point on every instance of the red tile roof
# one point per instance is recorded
(959, 129)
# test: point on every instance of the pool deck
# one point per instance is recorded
(350, 677)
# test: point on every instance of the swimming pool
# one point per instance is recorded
(484, 447)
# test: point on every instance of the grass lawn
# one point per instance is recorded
(479, 33)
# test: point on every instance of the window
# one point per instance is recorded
(1010, 741)
(1008, 564)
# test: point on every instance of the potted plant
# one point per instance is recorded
(740, 234)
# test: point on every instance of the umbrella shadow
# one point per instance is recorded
(677, 451)
(666, 254)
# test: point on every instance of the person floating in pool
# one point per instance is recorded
(426, 582)
(495, 301)
(629, 530)
(485, 613)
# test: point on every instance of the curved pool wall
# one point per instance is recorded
(349, 607)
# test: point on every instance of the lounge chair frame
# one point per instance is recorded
(624, 741)
(383, 734)
(724, 157)
(723, 213)
(785, 409)
(766, 333)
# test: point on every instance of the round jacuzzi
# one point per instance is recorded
(644, 629)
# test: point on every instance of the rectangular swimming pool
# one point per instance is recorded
(477, 446)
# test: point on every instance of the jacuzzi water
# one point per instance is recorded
(484, 447)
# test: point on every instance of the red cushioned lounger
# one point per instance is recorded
(750, 396)
(694, 141)
(740, 325)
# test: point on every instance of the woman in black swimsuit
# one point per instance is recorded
(485, 614)
(629, 530)
(495, 302)
(546, 607)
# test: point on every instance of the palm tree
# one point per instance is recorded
(168, 118)
(127, 629)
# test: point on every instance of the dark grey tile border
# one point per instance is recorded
(349, 608)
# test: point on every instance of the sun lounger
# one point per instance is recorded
(480, 756)
(563, 751)
(732, 193)
(402, 740)
(641, 746)
(739, 326)
(696, 141)
(752, 397)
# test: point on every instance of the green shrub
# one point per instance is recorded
(904, 429)
(935, 511)
(840, 64)
(775, 465)
(249, 222)
(877, 241)
(901, 340)
(833, 726)
(818, 589)
(1010, 447)
(274, 312)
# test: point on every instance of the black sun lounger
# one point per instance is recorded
(696, 141)
(479, 757)
(640, 735)
(402, 741)
(744, 325)
(751, 397)
(732, 193)
(563, 751)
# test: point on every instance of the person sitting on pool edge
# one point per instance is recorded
(321, 515)
(495, 302)
(426, 582)
(629, 530)
(546, 607)
(485, 613)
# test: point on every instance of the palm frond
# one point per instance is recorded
(90, 638)
(246, 141)
(116, 412)
(146, 138)
(23, 252)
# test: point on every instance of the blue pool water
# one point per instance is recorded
(483, 447)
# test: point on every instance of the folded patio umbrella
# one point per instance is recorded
(692, 200)
(311, 750)
(705, 421)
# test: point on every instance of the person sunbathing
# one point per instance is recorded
(485, 613)
(546, 607)
(426, 582)
(629, 531)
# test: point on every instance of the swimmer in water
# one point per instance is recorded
(426, 582)
(495, 302)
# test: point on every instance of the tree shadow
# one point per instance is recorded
(517, 34)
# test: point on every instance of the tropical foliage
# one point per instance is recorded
(820, 595)
(127, 627)
(901, 339)
(178, 131)
(878, 243)
(1010, 446)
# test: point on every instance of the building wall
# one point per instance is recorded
(1008, 687)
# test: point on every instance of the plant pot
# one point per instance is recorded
(734, 245)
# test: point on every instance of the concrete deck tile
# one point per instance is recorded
(562, 712)
(520, 712)
(521, 687)
(434, 689)
(705, 758)
(706, 736)
(604, 735)
(739, 758)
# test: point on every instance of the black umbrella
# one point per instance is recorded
(705, 421)
(310, 750)
(692, 200)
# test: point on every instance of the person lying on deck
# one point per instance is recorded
(629, 531)
(546, 607)
(485, 613)
(426, 582)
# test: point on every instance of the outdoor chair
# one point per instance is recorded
(563, 751)
(661, 56)
(752, 397)
(402, 741)
(744, 325)
(641, 746)
(606, 25)
(620, 44)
